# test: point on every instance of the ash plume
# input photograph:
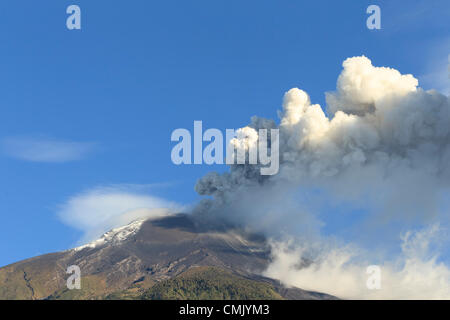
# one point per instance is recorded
(380, 147)
(382, 137)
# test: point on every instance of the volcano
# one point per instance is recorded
(174, 257)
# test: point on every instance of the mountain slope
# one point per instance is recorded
(174, 257)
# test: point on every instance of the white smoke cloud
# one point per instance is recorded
(342, 271)
(361, 86)
(101, 209)
(383, 147)
(384, 131)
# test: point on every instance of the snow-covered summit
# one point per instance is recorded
(114, 236)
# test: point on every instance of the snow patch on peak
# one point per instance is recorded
(114, 236)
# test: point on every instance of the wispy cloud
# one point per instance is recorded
(415, 273)
(45, 149)
(103, 208)
(437, 68)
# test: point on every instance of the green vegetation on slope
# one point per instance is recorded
(92, 288)
(210, 283)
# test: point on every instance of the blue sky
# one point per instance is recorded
(103, 101)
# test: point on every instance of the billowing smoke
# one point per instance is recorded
(415, 273)
(382, 146)
(383, 134)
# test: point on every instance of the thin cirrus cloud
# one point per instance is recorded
(45, 149)
(437, 68)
